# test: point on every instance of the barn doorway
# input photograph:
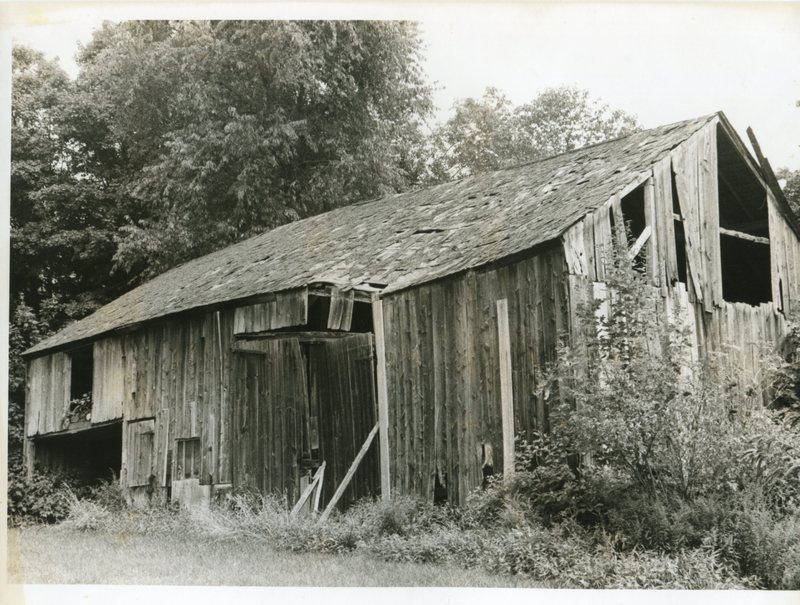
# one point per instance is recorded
(299, 401)
(90, 455)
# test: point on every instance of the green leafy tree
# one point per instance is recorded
(566, 118)
(490, 133)
(230, 128)
(792, 187)
(63, 213)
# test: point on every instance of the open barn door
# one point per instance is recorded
(299, 402)
(342, 393)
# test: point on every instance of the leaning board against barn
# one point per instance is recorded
(430, 315)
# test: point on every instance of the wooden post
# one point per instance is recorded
(506, 388)
(383, 395)
(316, 482)
(350, 472)
(165, 426)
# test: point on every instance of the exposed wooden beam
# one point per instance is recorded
(506, 388)
(315, 483)
(640, 242)
(359, 294)
(350, 472)
(762, 224)
(746, 236)
(734, 138)
(383, 394)
(302, 336)
(772, 183)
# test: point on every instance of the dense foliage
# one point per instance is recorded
(791, 188)
(229, 128)
(490, 133)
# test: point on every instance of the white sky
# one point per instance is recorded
(662, 62)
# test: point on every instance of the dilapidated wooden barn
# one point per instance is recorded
(424, 318)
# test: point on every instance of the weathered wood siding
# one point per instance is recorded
(269, 396)
(737, 332)
(784, 260)
(281, 310)
(178, 373)
(443, 373)
(108, 380)
(48, 393)
(140, 441)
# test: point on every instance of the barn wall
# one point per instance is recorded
(176, 377)
(442, 369)
(175, 383)
(736, 332)
(785, 260)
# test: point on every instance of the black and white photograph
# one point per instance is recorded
(418, 302)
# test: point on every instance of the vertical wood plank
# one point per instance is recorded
(506, 388)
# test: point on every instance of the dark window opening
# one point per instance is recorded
(319, 308)
(745, 264)
(680, 251)
(80, 385)
(82, 362)
(440, 488)
(745, 271)
(187, 458)
(633, 213)
(90, 455)
(362, 317)
(742, 198)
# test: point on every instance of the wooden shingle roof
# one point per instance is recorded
(401, 240)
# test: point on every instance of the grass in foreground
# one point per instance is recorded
(54, 555)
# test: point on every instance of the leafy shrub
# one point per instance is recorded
(108, 494)
(84, 514)
(760, 544)
(39, 499)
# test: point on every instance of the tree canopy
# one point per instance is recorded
(229, 128)
(490, 133)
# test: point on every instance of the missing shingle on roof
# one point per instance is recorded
(428, 230)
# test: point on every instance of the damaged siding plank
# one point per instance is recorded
(48, 380)
(653, 249)
(684, 161)
(284, 310)
(340, 314)
(708, 204)
(665, 229)
(574, 249)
